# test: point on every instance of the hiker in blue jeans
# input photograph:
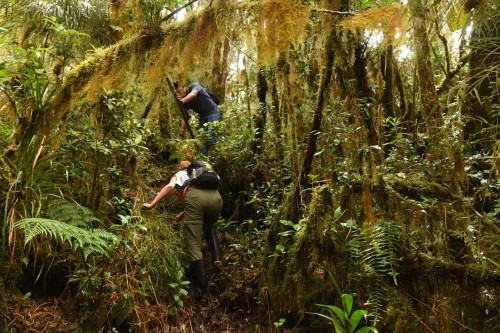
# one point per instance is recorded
(196, 98)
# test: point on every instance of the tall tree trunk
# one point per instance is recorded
(401, 91)
(431, 110)
(290, 128)
(483, 89)
(260, 116)
(304, 182)
(276, 116)
(370, 117)
(220, 68)
(387, 73)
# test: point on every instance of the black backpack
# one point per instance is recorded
(202, 175)
(213, 96)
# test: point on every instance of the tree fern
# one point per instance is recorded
(94, 241)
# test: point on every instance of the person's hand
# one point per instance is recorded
(147, 205)
(179, 98)
(178, 217)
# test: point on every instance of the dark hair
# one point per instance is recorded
(176, 85)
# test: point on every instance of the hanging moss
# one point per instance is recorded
(390, 20)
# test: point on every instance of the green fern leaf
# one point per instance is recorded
(94, 241)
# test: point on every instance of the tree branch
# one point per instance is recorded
(181, 107)
(450, 75)
(177, 10)
(333, 12)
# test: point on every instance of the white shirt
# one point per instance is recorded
(181, 178)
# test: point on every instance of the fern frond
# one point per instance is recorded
(377, 300)
(382, 251)
(71, 213)
(96, 241)
(357, 242)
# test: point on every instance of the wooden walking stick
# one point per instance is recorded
(181, 107)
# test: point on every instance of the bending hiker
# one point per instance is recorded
(202, 207)
(199, 99)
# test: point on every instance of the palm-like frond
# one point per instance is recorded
(94, 241)
(74, 14)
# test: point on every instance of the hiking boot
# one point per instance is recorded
(213, 245)
(199, 281)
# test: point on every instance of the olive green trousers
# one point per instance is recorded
(201, 207)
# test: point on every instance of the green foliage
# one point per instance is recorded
(374, 255)
(66, 44)
(382, 254)
(89, 16)
(26, 190)
(26, 83)
(366, 4)
(156, 250)
(178, 291)
(99, 155)
(72, 213)
(6, 132)
(95, 241)
(344, 319)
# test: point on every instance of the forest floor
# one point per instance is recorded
(235, 303)
(232, 306)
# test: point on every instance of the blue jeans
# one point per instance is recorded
(211, 117)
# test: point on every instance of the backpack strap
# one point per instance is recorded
(184, 190)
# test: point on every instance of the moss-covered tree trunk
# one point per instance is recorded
(483, 95)
(431, 110)
(260, 115)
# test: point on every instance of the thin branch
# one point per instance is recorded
(450, 75)
(333, 12)
(11, 102)
(236, 46)
(177, 10)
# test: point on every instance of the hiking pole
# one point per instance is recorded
(181, 107)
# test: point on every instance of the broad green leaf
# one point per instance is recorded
(347, 302)
(356, 317)
(338, 213)
(340, 314)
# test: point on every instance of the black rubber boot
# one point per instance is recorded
(213, 245)
(199, 281)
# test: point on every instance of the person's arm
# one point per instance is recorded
(163, 192)
(189, 97)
